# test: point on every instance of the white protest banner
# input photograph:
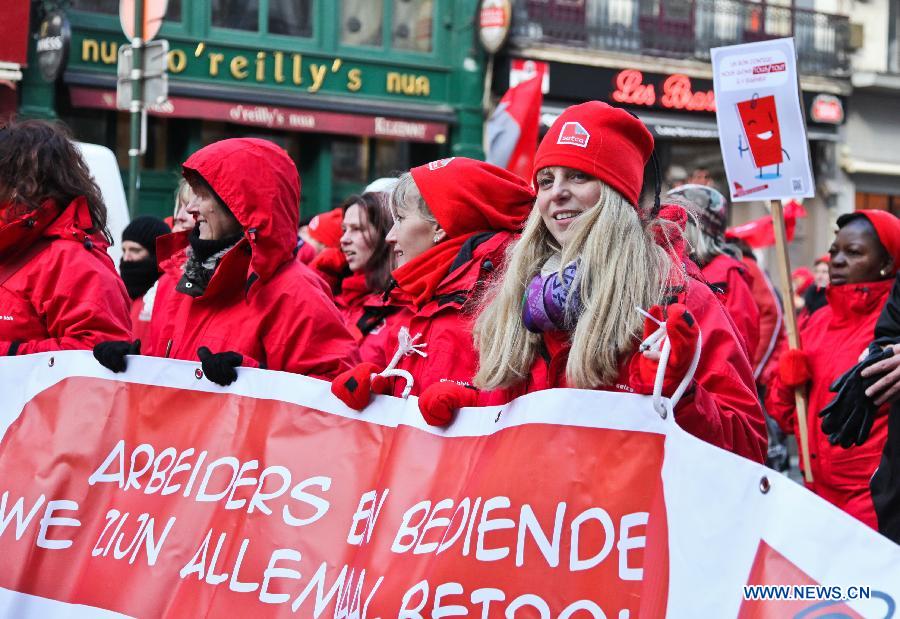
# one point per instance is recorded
(759, 113)
(157, 494)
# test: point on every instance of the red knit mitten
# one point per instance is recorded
(355, 386)
(793, 368)
(439, 401)
(682, 331)
(331, 260)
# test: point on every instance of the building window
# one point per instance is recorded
(97, 6)
(412, 25)
(173, 10)
(291, 17)
(878, 201)
(348, 160)
(236, 14)
(361, 22)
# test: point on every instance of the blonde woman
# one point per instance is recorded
(453, 220)
(563, 314)
(158, 308)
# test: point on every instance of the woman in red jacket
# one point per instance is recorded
(59, 289)
(453, 220)
(243, 298)
(864, 259)
(360, 275)
(705, 233)
(564, 313)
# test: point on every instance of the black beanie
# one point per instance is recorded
(144, 230)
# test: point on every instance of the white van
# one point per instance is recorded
(105, 169)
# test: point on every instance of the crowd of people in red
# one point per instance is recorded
(466, 285)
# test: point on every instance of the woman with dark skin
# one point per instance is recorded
(864, 258)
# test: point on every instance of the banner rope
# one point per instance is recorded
(406, 346)
(653, 342)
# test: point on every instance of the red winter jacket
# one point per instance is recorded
(372, 320)
(67, 297)
(730, 276)
(770, 315)
(261, 302)
(833, 338)
(445, 322)
(164, 306)
(721, 408)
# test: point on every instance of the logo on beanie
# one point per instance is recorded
(440, 163)
(573, 133)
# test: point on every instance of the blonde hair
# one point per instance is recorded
(621, 266)
(182, 195)
(405, 195)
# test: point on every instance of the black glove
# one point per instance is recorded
(111, 355)
(219, 367)
(848, 418)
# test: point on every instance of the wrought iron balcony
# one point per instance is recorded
(684, 28)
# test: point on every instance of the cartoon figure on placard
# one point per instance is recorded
(759, 119)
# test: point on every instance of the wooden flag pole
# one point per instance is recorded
(790, 325)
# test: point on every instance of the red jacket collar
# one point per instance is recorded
(849, 301)
(72, 224)
(353, 290)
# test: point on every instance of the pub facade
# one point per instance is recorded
(352, 89)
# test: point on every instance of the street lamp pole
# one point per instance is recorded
(136, 109)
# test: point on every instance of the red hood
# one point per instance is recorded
(259, 183)
(70, 224)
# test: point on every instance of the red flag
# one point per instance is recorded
(761, 232)
(513, 127)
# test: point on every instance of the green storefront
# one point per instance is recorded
(352, 89)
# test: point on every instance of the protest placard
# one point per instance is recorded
(762, 131)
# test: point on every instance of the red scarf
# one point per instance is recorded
(421, 276)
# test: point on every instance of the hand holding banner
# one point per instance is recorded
(154, 494)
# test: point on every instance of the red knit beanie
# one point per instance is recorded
(803, 279)
(886, 225)
(326, 227)
(466, 195)
(601, 140)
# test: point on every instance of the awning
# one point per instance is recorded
(276, 117)
(673, 127)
